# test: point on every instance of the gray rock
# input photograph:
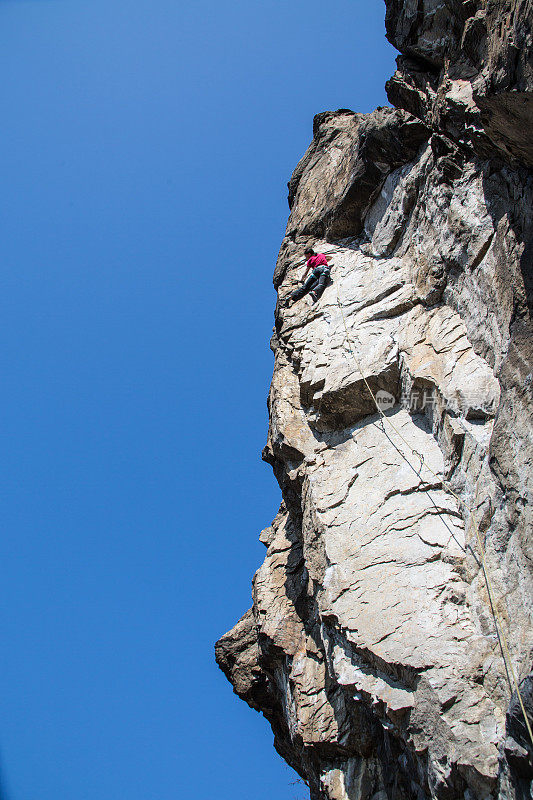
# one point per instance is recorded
(352, 154)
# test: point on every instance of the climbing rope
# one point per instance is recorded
(509, 669)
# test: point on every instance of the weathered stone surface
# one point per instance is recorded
(352, 154)
(371, 645)
(467, 67)
(504, 89)
(237, 655)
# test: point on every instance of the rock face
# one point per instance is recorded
(371, 646)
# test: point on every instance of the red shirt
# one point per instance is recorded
(319, 260)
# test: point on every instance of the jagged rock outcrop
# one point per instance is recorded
(371, 645)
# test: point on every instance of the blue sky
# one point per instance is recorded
(144, 152)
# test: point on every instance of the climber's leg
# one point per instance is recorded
(321, 284)
(305, 287)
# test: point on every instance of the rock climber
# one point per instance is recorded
(317, 280)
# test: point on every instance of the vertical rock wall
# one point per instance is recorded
(371, 645)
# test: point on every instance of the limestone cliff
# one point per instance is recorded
(371, 646)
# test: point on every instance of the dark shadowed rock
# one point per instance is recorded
(350, 156)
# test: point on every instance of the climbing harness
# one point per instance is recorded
(509, 669)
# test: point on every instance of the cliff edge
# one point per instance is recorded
(392, 616)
